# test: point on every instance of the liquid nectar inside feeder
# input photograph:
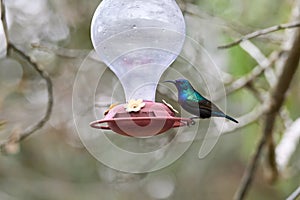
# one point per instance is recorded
(138, 40)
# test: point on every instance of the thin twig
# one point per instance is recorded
(195, 11)
(263, 65)
(250, 171)
(261, 32)
(44, 75)
(59, 51)
(262, 60)
(255, 73)
(66, 53)
(283, 113)
(295, 194)
(260, 96)
(244, 120)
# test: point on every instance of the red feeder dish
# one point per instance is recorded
(153, 119)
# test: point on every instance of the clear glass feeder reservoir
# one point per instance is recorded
(138, 40)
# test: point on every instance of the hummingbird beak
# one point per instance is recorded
(174, 82)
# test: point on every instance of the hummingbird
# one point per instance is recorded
(194, 103)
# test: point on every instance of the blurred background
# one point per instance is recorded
(53, 163)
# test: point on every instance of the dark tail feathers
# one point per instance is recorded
(221, 114)
(230, 118)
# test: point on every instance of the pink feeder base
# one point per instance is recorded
(153, 119)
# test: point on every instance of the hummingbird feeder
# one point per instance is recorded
(138, 40)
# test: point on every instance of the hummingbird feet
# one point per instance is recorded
(192, 121)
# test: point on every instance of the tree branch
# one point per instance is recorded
(294, 195)
(66, 53)
(59, 51)
(44, 75)
(260, 33)
(288, 145)
(263, 67)
(3, 19)
(255, 73)
(244, 120)
(250, 171)
(273, 106)
(261, 59)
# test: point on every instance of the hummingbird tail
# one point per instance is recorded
(230, 118)
(221, 114)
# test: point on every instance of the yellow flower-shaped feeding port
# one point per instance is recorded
(170, 106)
(134, 105)
(110, 107)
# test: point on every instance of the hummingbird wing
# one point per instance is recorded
(203, 108)
(198, 108)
